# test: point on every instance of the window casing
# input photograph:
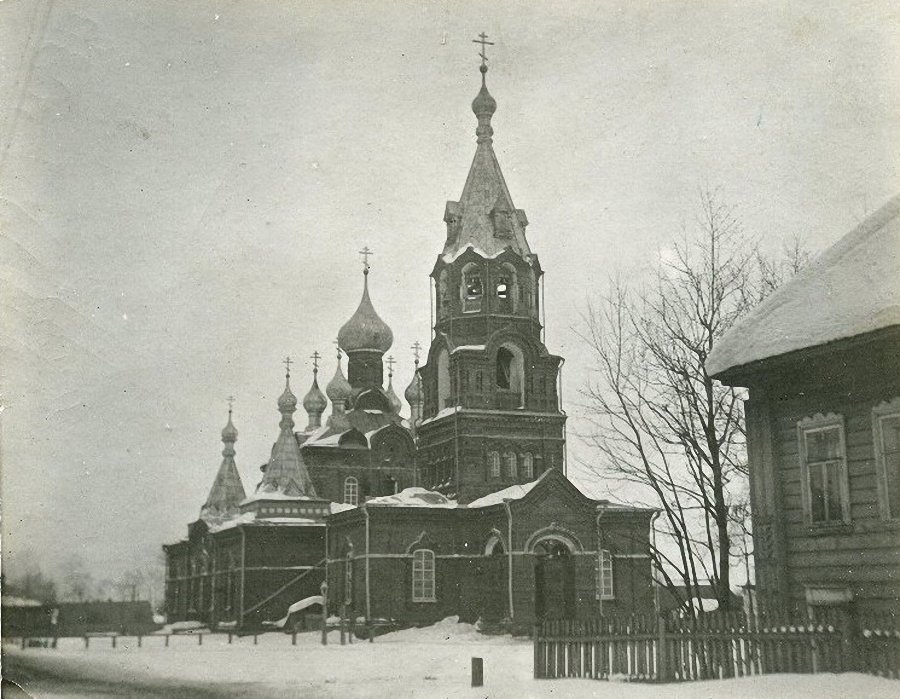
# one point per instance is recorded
(886, 434)
(527, 465)
(510, 460)
(351, 491)
(823, 470)
(605, 583)
(472, 290)
(423, 576)
(494, 464)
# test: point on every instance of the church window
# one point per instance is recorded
(443, 294)
(351, 491)
(472, 288)
(504, 367)
(509, 369)
(510, 459)
(605, 583)
(506, 289)
(423, 576)
(527, 465)
(494, 463)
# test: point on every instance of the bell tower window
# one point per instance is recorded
(504, 367)
(472, 288)
(509, 368)
(507, 293)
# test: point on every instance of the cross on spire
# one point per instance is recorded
(482, 39)
(337, 343)
(315, 356)
(365, 252)
(230, 400)
(390, 362)
(287, 364)
(416, 348)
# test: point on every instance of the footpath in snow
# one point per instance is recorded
(428, 662)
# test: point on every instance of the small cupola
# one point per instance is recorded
(314, 402)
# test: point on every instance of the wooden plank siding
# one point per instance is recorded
(864, 554)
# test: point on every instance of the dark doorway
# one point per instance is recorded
(554, 581)
(494, 584)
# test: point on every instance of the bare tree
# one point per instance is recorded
(659, 422)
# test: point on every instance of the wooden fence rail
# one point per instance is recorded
(710, 647)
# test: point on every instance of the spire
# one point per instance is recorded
(485, 217)
(286, 472)
(227, 490)
(314, 402)
(396, 405)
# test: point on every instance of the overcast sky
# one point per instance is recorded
(184, 187)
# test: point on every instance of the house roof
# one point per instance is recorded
(851, 289)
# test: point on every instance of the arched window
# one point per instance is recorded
(510, 460)
(494, 464)
(351, 491)
(443, 380)
(443, 294)
(527, 466)
(509, 368)
(472, 288)
(423, 576)
(507, 294)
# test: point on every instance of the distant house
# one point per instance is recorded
(28, 618)
(821, 359)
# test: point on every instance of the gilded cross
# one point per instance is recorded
(365, 252)
(482, 39)
(230, 400)
(416, 348)
(337, 343)
(315, 356)
(390, 362)
(287, 363)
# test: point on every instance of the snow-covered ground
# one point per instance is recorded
(430, 662)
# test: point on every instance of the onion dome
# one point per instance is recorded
(227, 490)
(229, 434)
(396, 405)
(414, 394)
(338, 389)
(365, 331)
(314, 402)
(484, 107)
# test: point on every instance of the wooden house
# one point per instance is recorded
(821, 360)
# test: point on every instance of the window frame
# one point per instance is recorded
(605, 574)
(423, 563)
(510, 461)
(881, 412)
(822, 423)
(351, 497)
(527, 470)
(495, 470)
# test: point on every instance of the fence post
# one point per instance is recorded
(229, 638)
(537, 651)
(255, 639)
(294, 637)
(87, 641)
(662, 651)
(140, 640)
(323, 588)
(199, 639)
(113, 641)
(167, 640)
(477, 672)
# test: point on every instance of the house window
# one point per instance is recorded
(494, 464)
(824, 470)
(472, 288)
(510, 459)
(351, 491)
(886, 432)
(527, 466)
(605, 584)
(423, 576)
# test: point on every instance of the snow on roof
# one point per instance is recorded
(11, 601)
(513, 492)
(443, 413)
(467, 348)
(341, 507)
(245, 518)
(273, 495)
(414, 497)
(850, 289)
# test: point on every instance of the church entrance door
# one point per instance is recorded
(554, 581)
(494, 585)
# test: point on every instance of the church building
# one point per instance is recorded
(464, 508)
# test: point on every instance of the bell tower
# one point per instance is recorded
(490, 415)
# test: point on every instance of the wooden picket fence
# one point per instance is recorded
(650, 648)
